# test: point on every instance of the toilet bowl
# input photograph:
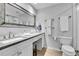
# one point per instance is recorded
(67, 48)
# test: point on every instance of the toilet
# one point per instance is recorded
(66, 48)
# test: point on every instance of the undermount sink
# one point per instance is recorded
(11, 40)
(18, 38)
(28, 34)
(23, 34)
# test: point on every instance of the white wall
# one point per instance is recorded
(77, 22)
(28, 7)
(50, 13)
(74, 26)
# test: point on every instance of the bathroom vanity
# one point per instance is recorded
(18, 15)
(21, 45)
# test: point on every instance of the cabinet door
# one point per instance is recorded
(24, 49)
(10, 51)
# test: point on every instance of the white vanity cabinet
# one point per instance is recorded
(10, 51)
(23, 48)
(20, 49)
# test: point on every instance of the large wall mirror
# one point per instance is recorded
(16, 16)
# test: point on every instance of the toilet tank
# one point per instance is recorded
(65, 40)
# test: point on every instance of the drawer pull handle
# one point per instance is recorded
(19, 53)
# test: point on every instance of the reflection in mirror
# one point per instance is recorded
(16, 16)
(1, 13)
(12, 15)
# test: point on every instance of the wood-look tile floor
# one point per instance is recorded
(49, 52)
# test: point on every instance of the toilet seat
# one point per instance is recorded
(68, 50)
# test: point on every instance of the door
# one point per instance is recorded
(24, 49)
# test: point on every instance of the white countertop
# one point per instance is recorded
(24, 36)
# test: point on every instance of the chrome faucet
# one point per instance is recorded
(11, 35)
(4, 37)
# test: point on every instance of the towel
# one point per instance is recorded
(64, 23)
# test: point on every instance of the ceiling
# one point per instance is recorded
(42, 5)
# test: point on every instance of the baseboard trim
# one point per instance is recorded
(54, 49)
(76, 50)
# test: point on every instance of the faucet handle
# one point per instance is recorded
(13, 35)
(4, 37)
(10, 35)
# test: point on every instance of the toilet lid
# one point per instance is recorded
(68, 48)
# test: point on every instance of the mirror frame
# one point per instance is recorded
(21, 9)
